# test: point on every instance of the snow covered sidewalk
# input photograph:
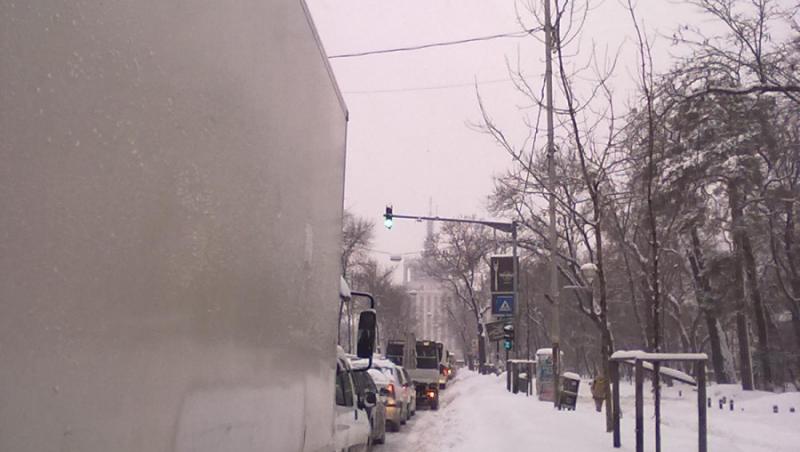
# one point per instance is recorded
(478, 415)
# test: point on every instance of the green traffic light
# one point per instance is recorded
(388, 217)
(507, 344)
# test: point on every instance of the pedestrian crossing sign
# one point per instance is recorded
(503, 304)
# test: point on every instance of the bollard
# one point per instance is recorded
(731, 403)
(721, 403)
(791, 410)
(680, 393)
(774, 408)
(709, 402)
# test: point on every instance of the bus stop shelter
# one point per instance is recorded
(639, 359)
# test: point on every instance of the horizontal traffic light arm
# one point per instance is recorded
(499, 225)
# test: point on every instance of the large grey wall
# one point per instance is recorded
(171, 182)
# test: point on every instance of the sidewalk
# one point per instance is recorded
(479, 415)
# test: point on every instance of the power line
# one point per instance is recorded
(426, 88)
(517, 34)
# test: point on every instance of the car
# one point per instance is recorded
(352, 429)
(412, 392)
(367, 389)
(397, 392)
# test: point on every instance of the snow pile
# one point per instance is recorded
(478, 415)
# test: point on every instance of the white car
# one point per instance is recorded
(399, 393)
(351, 429)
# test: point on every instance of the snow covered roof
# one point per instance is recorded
(641, 355)
(344, 289)
(571, 375)
(544, 351)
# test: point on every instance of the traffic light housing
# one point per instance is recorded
(508, 337)
(388, 219)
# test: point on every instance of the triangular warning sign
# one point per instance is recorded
(504, 307)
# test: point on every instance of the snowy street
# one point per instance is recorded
(479, 415)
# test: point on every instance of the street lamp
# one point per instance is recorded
(589, 271)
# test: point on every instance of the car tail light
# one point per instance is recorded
(390, 388)
(431, 394)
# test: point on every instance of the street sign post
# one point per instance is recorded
(503, 304)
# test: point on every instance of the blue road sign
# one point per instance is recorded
(503, 304)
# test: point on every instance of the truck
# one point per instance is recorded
(171, 190)
(398, 353)
(426, 374)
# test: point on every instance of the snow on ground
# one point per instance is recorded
(477, 414)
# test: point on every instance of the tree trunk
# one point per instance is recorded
(710, 308)
(737, 229)
(758, 309)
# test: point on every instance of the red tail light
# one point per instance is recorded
(390, 388)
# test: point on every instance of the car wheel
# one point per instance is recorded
(435, 405)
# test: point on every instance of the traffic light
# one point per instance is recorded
(387, 218)
(508, 337)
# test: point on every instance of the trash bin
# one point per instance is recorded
(569, 390)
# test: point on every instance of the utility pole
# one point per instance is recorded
(551, 179)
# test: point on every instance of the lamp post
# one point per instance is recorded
(589, 272)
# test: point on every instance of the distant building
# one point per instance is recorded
(429, 304)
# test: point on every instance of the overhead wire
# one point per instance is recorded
(517, 34)
(427, 88)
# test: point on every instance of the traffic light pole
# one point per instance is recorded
(509, 227)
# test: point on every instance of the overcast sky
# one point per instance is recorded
(408, 145)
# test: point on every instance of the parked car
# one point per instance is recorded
(397, 392)
(367, 389)
(352, 430)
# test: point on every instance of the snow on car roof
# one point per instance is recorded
(378, 377)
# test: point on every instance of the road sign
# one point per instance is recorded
(502, 273)
(502, 304)
(494, 330)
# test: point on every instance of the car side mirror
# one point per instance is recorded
(370, 399)
(367, 325)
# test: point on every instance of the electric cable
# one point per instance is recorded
(517, 34)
